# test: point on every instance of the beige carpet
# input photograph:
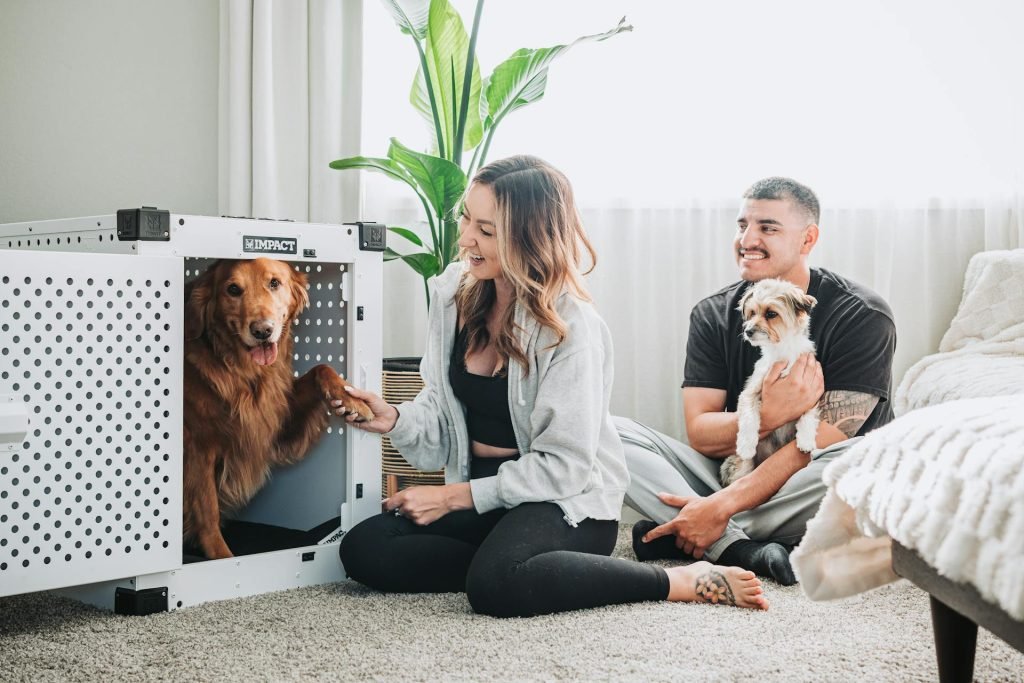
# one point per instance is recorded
(346, 632)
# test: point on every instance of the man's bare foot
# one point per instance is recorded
(706, 582)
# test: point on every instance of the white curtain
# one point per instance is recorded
(655, 264)
(290, 103)
(904, 117)
(914, 258)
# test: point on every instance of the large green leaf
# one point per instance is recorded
(439, 180)
(423, 263)
(393, 169)
(386, 166)
(407, 234)
(447, 47)
(521, 79)
(410, 15)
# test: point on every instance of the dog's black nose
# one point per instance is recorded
(262, 329)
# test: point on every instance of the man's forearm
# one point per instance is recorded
(764, 482)
(714, 434)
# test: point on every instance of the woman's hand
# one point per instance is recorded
(385, 415)
(426, 504)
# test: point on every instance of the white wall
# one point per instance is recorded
(106, 104)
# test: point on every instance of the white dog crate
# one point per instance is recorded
(91, 339)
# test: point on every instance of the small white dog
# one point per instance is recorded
(776, 317)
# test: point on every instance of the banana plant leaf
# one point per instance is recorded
(447, 47)
(439, 180)
(410, 15)
(521, 79)
(422, 262)
(407, 234)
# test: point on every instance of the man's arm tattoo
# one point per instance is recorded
(847, 411)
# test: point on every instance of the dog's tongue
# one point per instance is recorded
(264, 354)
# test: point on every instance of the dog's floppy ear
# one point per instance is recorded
(800, 300)
(199, 303)
(743, 301)
(804, 302)
(300, 297)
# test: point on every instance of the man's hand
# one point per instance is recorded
(700, 523)
(784, 399)
(426, 504)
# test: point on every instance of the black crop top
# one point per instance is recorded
(486, 399)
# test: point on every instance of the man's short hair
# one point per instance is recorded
(778, 187)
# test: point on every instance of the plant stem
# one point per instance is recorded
(487, 143)
(430, 219)
(426, 291)
(434, 233)
(471, 171)
(455, 149)
(430, 94)
(467, 83)
(450, 229)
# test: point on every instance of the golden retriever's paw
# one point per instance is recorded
(333, 386)
(355, 406)
(214, 548)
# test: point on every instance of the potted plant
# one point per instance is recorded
(464, 112)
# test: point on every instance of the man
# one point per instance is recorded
(756, 521)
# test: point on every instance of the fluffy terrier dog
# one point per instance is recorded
(776, 317)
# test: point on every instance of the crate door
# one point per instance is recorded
(91, 352)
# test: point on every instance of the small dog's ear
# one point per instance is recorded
(801, 302)
(743, 301)
(200, 302)
(805, 302)
(300, 297)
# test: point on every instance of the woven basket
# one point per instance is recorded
(401, 382)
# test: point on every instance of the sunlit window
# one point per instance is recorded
(864, 101)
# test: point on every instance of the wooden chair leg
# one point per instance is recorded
(956, 637)
(391, 487)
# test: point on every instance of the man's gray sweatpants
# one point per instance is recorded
(658, 463)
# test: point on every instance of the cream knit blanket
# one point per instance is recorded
(946, 479)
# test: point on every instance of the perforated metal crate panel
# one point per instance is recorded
(91, 343)
(96, 234)
(306, 494)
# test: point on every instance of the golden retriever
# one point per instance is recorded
(244, 411)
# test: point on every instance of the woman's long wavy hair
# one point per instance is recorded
(540, 240)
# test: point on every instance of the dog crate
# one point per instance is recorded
(91, 343)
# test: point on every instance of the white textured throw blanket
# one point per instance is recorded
(946, 479)
(982, 353)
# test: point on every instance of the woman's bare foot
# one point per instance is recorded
(706, 582)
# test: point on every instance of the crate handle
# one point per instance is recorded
(13, 422)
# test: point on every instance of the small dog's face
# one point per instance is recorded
(774, 310)
(252, 301)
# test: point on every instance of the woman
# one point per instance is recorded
(518, 378)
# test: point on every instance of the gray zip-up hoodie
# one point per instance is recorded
(570, 452)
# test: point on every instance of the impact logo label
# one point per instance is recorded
(272, 245)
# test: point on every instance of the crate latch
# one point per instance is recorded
(13, 422)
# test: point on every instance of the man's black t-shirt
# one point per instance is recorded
(851, 326)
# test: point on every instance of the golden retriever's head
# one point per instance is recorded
(774, 310)
(247, 303)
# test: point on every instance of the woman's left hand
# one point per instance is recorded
(427, 504)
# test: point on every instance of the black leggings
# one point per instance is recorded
(511, 563)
